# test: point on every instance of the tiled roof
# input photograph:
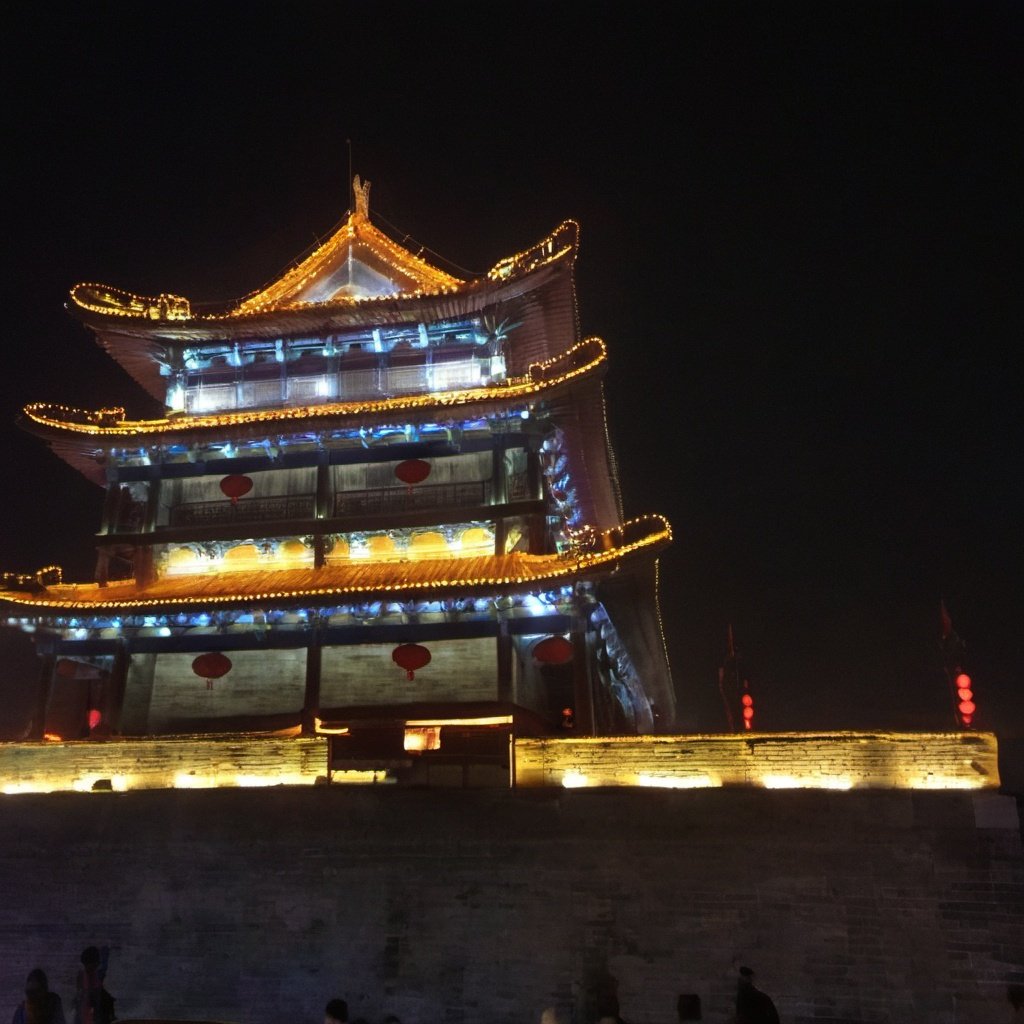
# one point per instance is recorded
(433, 575)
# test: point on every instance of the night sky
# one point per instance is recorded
(801, 239)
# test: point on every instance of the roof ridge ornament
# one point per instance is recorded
(361, 191)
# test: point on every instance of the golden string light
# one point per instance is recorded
(356, 230)
(116, 302)
(539, 568)
(564, 239)
(91, 422)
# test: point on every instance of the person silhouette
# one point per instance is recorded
(40, 1006)
(752, 1005)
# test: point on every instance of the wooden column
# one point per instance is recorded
(102, 566)
(583, 696)
(43, 686)
(324, 501)
(500, 535)
(534, 480)
(499, 483)
(111, 505)
(115, 692)
(538, 534)
(311, 701)
(504, 645)
(152, 505)
(142, 563)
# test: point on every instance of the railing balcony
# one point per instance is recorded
(379, 501)
(248, 510)
(395, 499)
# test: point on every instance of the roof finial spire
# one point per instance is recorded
(361, 191)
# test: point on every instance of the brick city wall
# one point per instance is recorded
(828, 760)
(457, 906)
(834, 760)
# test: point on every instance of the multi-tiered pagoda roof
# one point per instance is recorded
(361, 359)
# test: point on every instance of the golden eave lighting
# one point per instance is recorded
(582, 359)
(419, 278)
(329, 583)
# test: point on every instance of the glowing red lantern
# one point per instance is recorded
(211, 666)
(966, 707)
(410, 657)
(94, 718)
(553, 650)
(412, 471)
(236, 486)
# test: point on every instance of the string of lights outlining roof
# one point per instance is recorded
(514, 569)
(109, 422)
(423, 279)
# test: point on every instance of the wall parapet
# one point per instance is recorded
(825, 760)
(180, 762)
(797, 760)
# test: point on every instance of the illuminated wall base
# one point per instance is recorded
(831, 760)
(185, 762)
(836, 760)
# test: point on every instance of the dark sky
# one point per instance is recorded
(801, 239)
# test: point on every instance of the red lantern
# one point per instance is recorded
(235, 486)
(211, 666)
(748, 710)
(95, 717)
(553, 650)
(410, 657)
(412, 471)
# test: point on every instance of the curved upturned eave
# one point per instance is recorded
(79, 436)
(471, 297)
(139, 345)
(437, 577)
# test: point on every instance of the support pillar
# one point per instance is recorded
(115, 693)
(534, 479)
(505, 653)
(43, 687)
(311, 701)
(102, 566)
(583, 696)
(499, 481)
(111, 505)
(323, 506)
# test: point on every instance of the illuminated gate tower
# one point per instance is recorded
(380, 495)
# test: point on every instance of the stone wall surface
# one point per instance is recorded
(256, 906)
(827, 760)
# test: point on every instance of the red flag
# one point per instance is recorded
(945, 620)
